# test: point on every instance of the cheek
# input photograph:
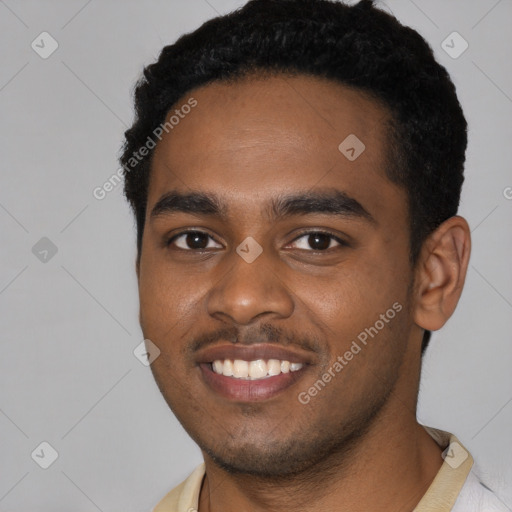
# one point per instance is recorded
(361, 311)
(363, 318)
(163, 299)
(172, 307)
(353, 294)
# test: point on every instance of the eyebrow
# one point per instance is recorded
(328, 202)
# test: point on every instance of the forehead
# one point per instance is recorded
(247, 139)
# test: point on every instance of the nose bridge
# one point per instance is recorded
(250, 288)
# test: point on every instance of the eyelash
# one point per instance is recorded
(342, 243)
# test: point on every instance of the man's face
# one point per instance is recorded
(328, 273)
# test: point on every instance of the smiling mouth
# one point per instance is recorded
(248, 373)
(251, 381)
(258, 369)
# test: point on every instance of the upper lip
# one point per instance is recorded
(263, 351)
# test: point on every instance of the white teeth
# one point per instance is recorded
(228, 368)
(274, 367)
(217, 366)
(258, 369)
(240, 369)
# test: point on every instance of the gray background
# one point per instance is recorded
(69, 324)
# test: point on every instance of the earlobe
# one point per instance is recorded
(441, 272)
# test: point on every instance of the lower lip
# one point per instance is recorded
(246, 390)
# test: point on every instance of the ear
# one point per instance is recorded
(441, 272)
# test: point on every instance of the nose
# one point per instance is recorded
(250, 291)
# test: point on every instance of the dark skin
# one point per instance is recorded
(357, 444)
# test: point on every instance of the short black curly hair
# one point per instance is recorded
(359, 46)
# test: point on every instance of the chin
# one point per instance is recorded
(271, 458)
(260, 463)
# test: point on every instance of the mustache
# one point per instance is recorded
(264, 333)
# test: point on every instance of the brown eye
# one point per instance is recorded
(317, 241)
(192, 241)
